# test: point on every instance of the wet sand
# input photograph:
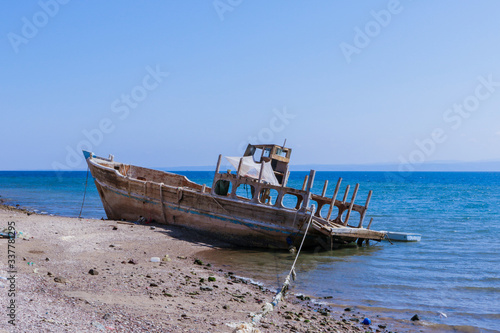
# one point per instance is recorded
(86, 275)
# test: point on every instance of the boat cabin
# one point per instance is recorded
(278, 156)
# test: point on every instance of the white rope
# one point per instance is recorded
(268, 307)
(84, 192)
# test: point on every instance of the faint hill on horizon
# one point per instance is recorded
(450, 166)
(487, 166)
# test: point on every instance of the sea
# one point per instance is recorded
(451, 278)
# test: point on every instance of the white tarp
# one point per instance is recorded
(251, 169)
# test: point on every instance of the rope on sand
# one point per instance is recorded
(84, 192)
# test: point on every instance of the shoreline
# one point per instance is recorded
(129, 292)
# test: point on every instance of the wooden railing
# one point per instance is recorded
(304, 195)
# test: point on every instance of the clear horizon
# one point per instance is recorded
(438, 166)
(405, 83)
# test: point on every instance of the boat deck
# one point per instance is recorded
(335, 230)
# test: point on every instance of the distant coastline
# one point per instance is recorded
(487, 166)
(442, 166)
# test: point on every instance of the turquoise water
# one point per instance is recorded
(454, 270)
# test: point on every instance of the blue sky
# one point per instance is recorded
(171, 83)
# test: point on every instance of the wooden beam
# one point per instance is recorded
(312, 173)
(218, 164)
(334, 197)
(305, 182)
(324, 188)
(261, 170)
(366, 208)
(239, 168)
(346, 193)
(351, 204)
(369, 224)
(285, 176)
(216, 172)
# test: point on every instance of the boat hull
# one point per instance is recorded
(133, 193)
(242, 223)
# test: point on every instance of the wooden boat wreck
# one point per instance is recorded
(247, 208)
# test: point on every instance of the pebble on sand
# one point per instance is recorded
(60, 279)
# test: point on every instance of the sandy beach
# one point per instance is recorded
(86, 275)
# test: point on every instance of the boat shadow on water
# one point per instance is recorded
(270, 267)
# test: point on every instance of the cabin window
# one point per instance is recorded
(257, 155)
(268, 196)
(267, 152)
(250, 150)
(222, 187)
(245, 191)
(291, 201)
(280, 152)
